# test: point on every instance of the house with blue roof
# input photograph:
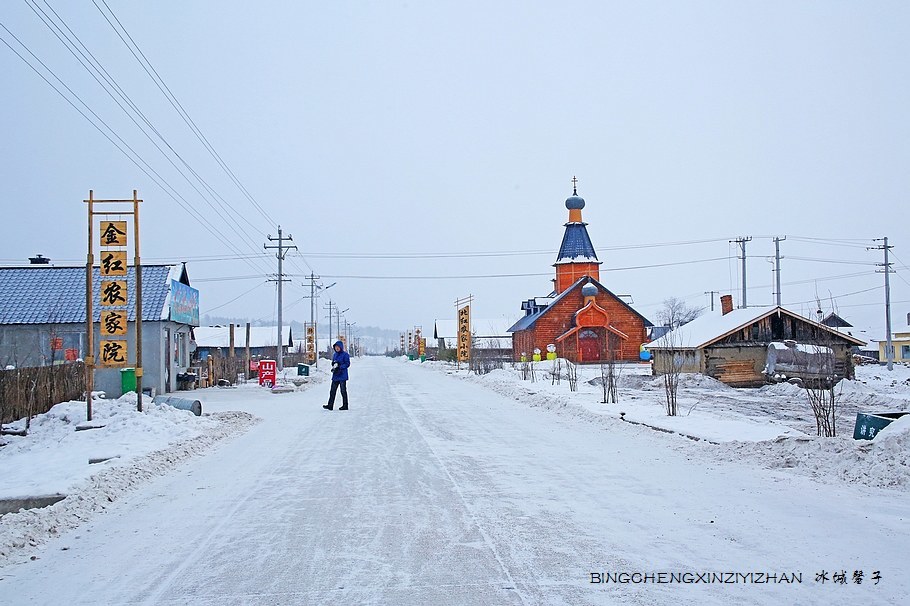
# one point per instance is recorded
(584, 320)
(43, 320)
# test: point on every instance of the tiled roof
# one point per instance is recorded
(576, 245)
(56, 295)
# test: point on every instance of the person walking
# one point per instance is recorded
(341, 360)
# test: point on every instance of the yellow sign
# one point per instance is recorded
(113, 293)
(113, 263)
(113, 233)
(113, 353)
(464, 333)
(113, 323)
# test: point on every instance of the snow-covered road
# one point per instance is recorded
(432, 490)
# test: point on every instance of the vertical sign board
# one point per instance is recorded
(113, 348)
(310, 343)
(113, 352)
(267, 372)
(464, 333)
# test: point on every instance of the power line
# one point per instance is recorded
(92, 65)
(135, 158)
(243, 294)
(175, 103)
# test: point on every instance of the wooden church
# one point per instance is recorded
(581, 317)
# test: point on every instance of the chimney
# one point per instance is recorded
(726, 304)
(39, 260)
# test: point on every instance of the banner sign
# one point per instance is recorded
(464, 333)
(184, 304)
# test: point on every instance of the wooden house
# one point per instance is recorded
(732, 345)
(581, 317)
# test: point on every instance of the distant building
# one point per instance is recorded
(581, 317)
(489, 334)
(42, 321)
(263, 341)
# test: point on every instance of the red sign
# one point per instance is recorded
(268, 369)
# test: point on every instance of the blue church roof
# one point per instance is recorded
(576, 245)
(56, 295)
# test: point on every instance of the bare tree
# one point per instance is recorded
(609, 371)
(572, 374)
(820, 391)
(668, 361)
(556, 372)
(675, 313)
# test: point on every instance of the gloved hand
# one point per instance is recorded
(335, 367)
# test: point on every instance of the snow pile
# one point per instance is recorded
(882, 463)
(54, 459)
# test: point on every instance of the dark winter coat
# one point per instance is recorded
(343, 361)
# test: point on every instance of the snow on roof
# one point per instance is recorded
(220, 336)
(711, 327)
(483, 328)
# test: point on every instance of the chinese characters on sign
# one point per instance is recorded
(113, 293)
(113, 323)
(113, 233)
(310, 343)
(113, 352)
(113, 263)
(464, 333)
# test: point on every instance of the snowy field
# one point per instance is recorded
(444, 487)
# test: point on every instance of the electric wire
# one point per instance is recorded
(135, 158)
(92, 65)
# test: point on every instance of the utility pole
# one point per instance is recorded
(282, 251)
(742, 243)
(777, 242)
(711, 293)
(889, 345)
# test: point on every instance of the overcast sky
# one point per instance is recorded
(381, 134)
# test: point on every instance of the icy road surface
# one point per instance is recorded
(432, 490)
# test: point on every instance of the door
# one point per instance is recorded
(588, 346)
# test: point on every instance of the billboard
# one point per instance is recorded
(184, 304)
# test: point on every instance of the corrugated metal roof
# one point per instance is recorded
(56, 295)
(576, 245)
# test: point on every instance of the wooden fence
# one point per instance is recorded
(26, 392)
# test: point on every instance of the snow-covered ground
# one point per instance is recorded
(117, 451)
(443, 487)
(772, 425)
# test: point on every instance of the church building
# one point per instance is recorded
(581, 317)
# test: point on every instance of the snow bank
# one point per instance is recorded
(54, 458)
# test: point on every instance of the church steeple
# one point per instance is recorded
(576, 254)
